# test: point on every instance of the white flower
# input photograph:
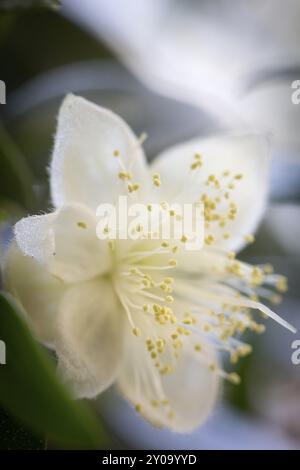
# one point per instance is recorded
(147, 316)
(236, 60)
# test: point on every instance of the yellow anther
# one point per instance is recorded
(234, 358)
(194, 165)
(246, 349)
(165, 244)
(133, 187)
(164, 286)
(123, 175)
(149, 208)
(209, 240)
(260, 329)
(281, 284)
(198, 347)
(249, 238)
(238, 177)
(175, 249)
(172, 262)
(136, 331)
(268, 269)
(146, 308)
(156, 179)
(156, 308)
(226, 235)
(184, 238)
(166, 370)
(164, 205)
(172, 213)
(133, 271)
(138, 408)
(231, 255)
(116, 153)
(234, 378)
(81, 224)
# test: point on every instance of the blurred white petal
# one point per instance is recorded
(38, 292)
(208, 53)
(89, 338)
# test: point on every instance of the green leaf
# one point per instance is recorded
(15, 437)
(30, 390)
(16, 179)
(10, 4)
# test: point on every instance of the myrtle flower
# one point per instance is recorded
(145, 314)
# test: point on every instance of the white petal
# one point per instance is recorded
(66, 242)
(36, 290)
(191, 391)
(240, 154)
(280, 232)
(83, 167)
(35, 237)
(89, 343)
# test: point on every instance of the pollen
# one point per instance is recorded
(209, 240)
(82, 224)
(281, 284)
(123, 175)
(249, 238)
(234, 378)
(136, 331)
(172, 262)
(156, 179)
(133, 187)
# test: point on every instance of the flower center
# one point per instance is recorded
(170, 310)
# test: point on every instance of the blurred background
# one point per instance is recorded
(175, 70)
